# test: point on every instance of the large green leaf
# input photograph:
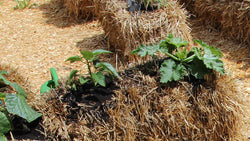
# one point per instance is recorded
(54, 76)
(19, 89)
(108, 67)
(198, 69)
(214, 51)
(16, 104)
(100, 51)
(46, 87)
(87, 54)
(143, 50)
(170, 71)
(74, 59)
(5, 125)
(2, 96)
(99, 78)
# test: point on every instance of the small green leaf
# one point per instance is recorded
(182, 55)
(16, 104)
(74, 59)
(99, 78)
(100, 51)
(108, 67)
(2, 79)
(198, 69)
(46, 87)
(143, 50)
(5, 125)
(171, 71)
(83, 81)
(72, 75)
(54, 76)
(87, 54)
(18, 89)
(178, 42)
(2, 96)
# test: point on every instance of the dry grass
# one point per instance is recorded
(80, 8)
(232, 18)
(126, 32)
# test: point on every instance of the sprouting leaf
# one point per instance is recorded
(74, 59)
(198, 69)
(100, 51)
(71, 75)
(99, 78)
(143, 50)
(54, 76)
(82, 80)
(2, 79)
(182, 54)
(87, 54)
(108, 67)
(178, 42)
(16, 104)
(46, 87)
(5, 125)
(171, 71)
(19, 89)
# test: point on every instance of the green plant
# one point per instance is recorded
(97, 75)
(21, 4)
(53, 83)
(197, 62)
(154, 3)
(13, 104)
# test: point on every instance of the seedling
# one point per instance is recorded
(198, 62)
(97, 75)
(53, 83)
(13, 104)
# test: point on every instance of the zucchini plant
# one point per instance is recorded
(13, 104)
(197, 62)
(97, 75)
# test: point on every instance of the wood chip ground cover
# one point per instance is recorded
(33, 40)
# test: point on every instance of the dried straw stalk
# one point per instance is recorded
(80, 8)
(125, 31)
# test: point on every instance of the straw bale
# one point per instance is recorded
(232, 18)
(154, 113)
(80, 8)
(125, 31)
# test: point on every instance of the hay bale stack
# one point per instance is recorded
(232, 18)
(80, 8)
(125, 31)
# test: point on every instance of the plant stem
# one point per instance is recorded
(172, 56)
(90, 73)
(189, 59)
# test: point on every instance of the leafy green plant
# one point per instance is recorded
(97, 75)
(197, 62)
(13, 104)
(53, 83)
(21, 4)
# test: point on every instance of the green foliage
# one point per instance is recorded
(97, 76)
(14, 104)
(53, 83)
(21, 4)
(198, 62)
(154, 3)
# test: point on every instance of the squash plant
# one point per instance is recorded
(197, 62)
(97, 75)
(13, 104)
